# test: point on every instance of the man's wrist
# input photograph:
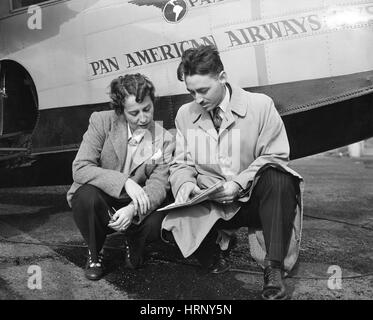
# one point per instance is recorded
(239, 189)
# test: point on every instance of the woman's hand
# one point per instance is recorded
(122, 218)
(137, 194)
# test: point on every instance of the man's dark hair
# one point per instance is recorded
(130, 84)
(202, 60)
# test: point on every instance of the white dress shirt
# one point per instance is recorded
(131, 148)
(223, 159)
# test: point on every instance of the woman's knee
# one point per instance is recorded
(154, 220)
(151, 226)
(85, 198)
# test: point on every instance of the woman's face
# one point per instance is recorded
(138, 115)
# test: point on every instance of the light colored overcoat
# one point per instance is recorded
(252, 136)
(102, 154)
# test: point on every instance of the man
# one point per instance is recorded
(238, 137)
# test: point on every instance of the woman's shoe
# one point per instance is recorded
(221, 264)
(94, 270)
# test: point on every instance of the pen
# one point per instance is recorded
(110, 214)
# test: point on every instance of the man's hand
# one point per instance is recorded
(137, 194)
(122, 218)
(187, 190)
(227, 194)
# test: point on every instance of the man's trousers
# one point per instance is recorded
(271, 208)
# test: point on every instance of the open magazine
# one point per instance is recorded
(203, 196)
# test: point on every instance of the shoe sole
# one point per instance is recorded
(221, 271)
(94, 279)
(285, 297)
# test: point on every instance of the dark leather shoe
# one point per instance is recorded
(273, 288)
(220, 265)
(131, 259)
(232, 244)
(94, 270)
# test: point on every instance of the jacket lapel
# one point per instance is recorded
(228, 120)
(145, 149)
(204, 121)
(119, 138)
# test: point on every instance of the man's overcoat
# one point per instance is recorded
(252, 136)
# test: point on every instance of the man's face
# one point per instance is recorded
(207, 90)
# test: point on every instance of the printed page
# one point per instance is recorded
(203, 196)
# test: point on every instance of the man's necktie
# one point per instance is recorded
(216, 118)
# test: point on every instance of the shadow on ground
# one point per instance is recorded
(165, 274)
(337, 231)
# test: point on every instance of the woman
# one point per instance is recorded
(121, 174)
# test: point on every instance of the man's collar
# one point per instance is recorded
(224, 104)
(237, 102)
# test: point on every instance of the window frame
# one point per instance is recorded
(42, 3)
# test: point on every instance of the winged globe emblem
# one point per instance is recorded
(173, 10)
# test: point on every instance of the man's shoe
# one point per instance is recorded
(273, 288)
(130, 256)
(94, 270)
(222, 263)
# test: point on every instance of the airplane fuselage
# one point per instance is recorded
(314, 58)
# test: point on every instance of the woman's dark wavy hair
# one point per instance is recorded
(130, 84)
(202, 60)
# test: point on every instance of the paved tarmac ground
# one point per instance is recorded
(37, 229)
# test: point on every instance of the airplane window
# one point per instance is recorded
(16, 4)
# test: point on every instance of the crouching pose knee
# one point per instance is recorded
(121, 174)
(236, 137)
